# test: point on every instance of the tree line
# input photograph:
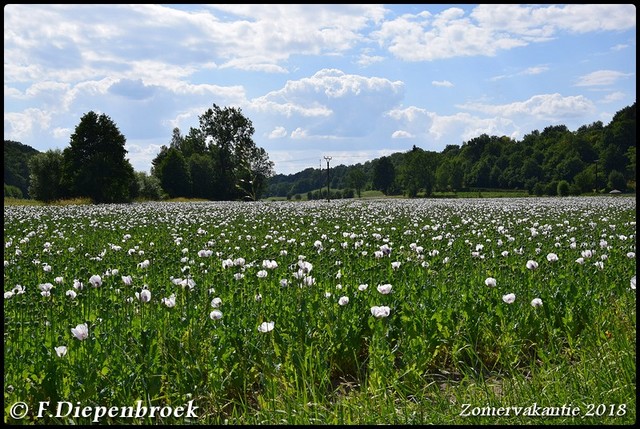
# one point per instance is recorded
(217, 161)
(594, 158)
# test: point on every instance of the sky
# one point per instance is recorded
(351, 82)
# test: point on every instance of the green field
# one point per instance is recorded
(361, 311)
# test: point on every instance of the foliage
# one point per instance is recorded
(149, 187)
(94, 163)
(217, 161)
(12, 192)
(355, 312)
(536, 163)
(16, 165)
(46, 176)
(384, 174)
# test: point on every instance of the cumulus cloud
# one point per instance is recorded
(488, 29)
(278, 132)
(335, 103)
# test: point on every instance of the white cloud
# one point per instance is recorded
(278, 132)
(19, 126)
(400, 134)
(333, 103)
(444, 83)
(489, 29)
(367, 60)
(614, 96)
(601, 78)
(544, 107)
(298, 133)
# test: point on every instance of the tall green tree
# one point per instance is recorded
(384, 174)
(230, 138)
(173, 172)
(95, 165)
(46, 176)
(357, 179)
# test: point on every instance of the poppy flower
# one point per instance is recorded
(509, 298)
(536, 302)
(81, 331)
(95, 280)
(380, 312)
(61, 350)
(266, 326)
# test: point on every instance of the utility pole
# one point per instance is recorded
(596, 162)
(328, 158)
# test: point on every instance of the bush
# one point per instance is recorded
(11, 191)
(563, 188)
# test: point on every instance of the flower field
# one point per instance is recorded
(342, 312)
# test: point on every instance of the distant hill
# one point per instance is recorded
(16, 168)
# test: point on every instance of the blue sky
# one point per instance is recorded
(354, 82)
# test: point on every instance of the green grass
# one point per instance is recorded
(450, 351)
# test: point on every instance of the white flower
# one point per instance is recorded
(215, 302)
(61, 350)
(127, 280)
(536, 302)
(532, 265)
(45, 287)
(81, 331)
(77, 284)
(344, 300)
(170, 302)
(144, 295)
(580, 261)
(363, 287)
(266, 326)
(384, 289)
(633, 283)
(59, 280)
(8, 295)
(490, 281)
(395, 265)
(552, 257)
(262, 274)
(380, 312)
(509, 298)
(305, 266)
(238, 276)
(71, 293)
(95, 280)
(144, 264)
(215, 315)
